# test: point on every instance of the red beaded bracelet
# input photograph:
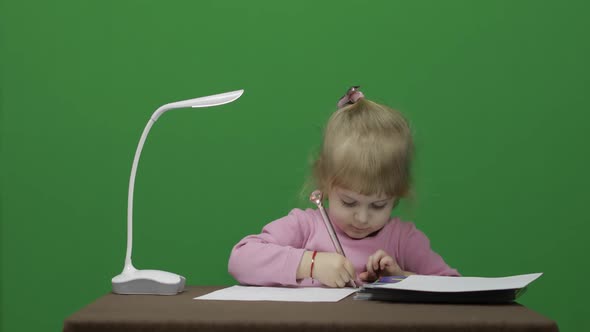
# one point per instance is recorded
(312, 263)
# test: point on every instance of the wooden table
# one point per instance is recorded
(130, 313)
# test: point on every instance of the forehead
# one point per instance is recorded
(360, 197)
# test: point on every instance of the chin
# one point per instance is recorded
(357, 235)
(361, 235)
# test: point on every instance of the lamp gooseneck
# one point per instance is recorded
(128, 264)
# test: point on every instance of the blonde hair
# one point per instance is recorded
(367, 148)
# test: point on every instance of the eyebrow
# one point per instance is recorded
(343, 195)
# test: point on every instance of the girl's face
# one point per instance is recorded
(358, 215)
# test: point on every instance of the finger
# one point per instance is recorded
(375, 263)
(381, 253)
(370, 277)
(364, 276)
(377, 257)
(369, 265)
(350, 269)
(344, 276)
(385, 262)
(340, 283)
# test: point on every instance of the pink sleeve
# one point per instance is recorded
(272, 257)
(415, 254)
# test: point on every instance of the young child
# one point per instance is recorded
(364, 169)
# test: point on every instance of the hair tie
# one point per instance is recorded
(351, 97)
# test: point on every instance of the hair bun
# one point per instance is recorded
(352, 96)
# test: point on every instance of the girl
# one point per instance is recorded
(364, 169)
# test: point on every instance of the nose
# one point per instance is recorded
(362, 215)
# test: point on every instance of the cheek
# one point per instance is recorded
(337, 216)
(383, 217)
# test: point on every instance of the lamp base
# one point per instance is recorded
(153, 282)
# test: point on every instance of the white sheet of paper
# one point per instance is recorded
(254, 293)
(460, 284)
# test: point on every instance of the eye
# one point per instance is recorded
(378, 206)
(348, 204)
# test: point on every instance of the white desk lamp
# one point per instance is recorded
(131, 280)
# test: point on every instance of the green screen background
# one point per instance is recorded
(496, 92)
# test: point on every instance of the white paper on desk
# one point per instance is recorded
(255, 293)
(459, 284)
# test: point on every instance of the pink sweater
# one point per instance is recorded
(272, 257)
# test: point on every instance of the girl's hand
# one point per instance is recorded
(381, 264)
(332, 269)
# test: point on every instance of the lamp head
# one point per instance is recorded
(208, 101)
